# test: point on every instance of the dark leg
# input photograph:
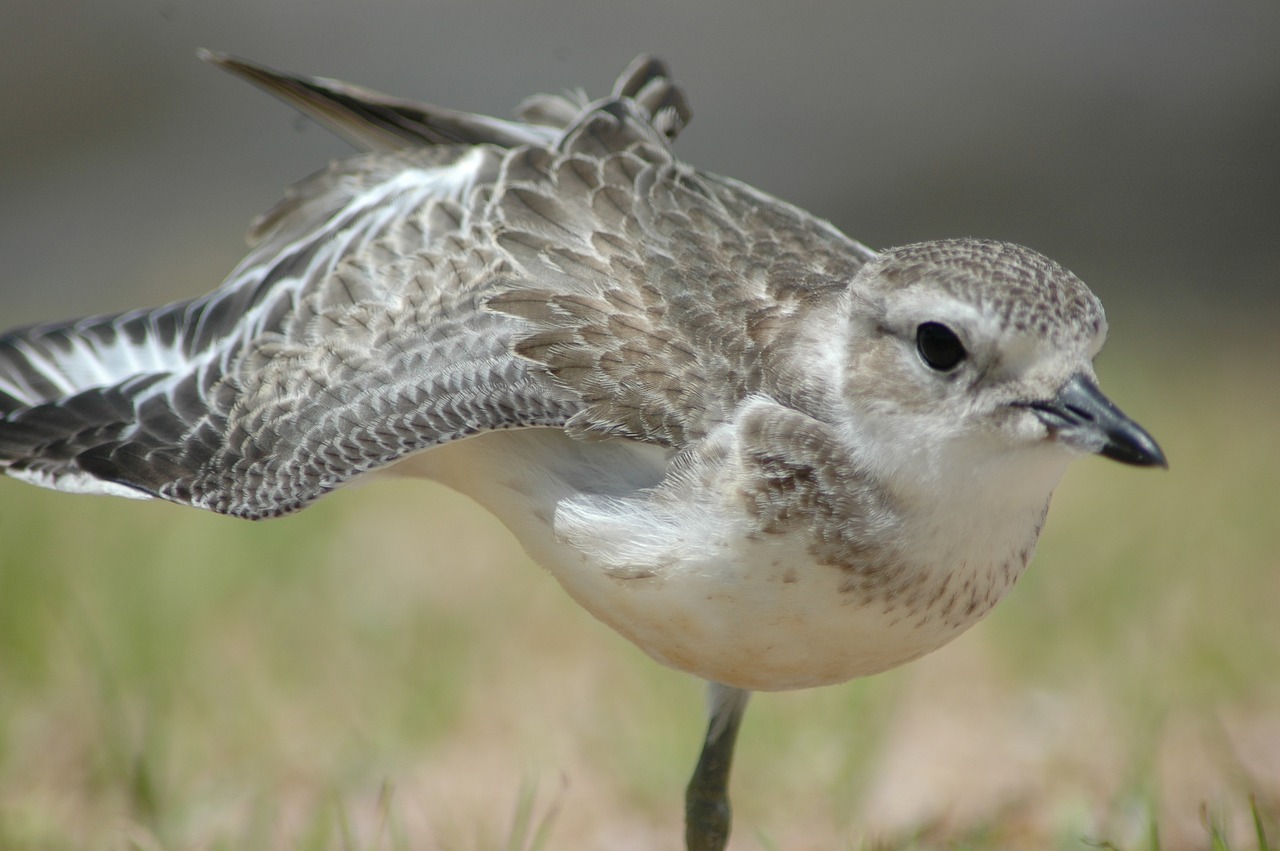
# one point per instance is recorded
(706, 801)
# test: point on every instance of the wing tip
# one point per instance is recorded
(75, 481)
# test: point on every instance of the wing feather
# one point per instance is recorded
(473, 275)
(671, 299)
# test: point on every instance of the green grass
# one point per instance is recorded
(388, 671)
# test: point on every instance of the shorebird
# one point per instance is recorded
(763, 452)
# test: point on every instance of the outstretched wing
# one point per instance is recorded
(407, 298)
(349, 337)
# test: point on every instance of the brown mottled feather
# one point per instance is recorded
(478, 275)
(674, 298)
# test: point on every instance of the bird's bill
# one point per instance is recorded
(1081, 416)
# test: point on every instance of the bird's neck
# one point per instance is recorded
(964, 505)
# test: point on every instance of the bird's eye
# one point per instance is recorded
(939, 346)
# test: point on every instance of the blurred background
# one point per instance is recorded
(387, 670)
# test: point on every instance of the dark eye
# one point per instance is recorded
(939, 346)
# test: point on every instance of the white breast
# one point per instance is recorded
(694, 589)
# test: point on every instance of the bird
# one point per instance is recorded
(766, 454)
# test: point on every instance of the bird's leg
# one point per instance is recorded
(706, 801)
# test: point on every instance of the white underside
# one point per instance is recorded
(75, 482)
(691, 587)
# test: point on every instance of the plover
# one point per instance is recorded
(765, 453)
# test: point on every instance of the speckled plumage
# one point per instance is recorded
(715, 419)
(250, 414)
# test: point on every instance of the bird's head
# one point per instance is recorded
(980, 353)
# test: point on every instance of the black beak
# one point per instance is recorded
(1081, 416)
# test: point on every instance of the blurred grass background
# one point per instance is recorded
(387, 669)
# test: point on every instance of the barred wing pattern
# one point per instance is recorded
(470, 275)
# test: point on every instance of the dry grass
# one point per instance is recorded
(388, 671)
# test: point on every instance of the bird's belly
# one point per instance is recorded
(771, 621)
(755, 613)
